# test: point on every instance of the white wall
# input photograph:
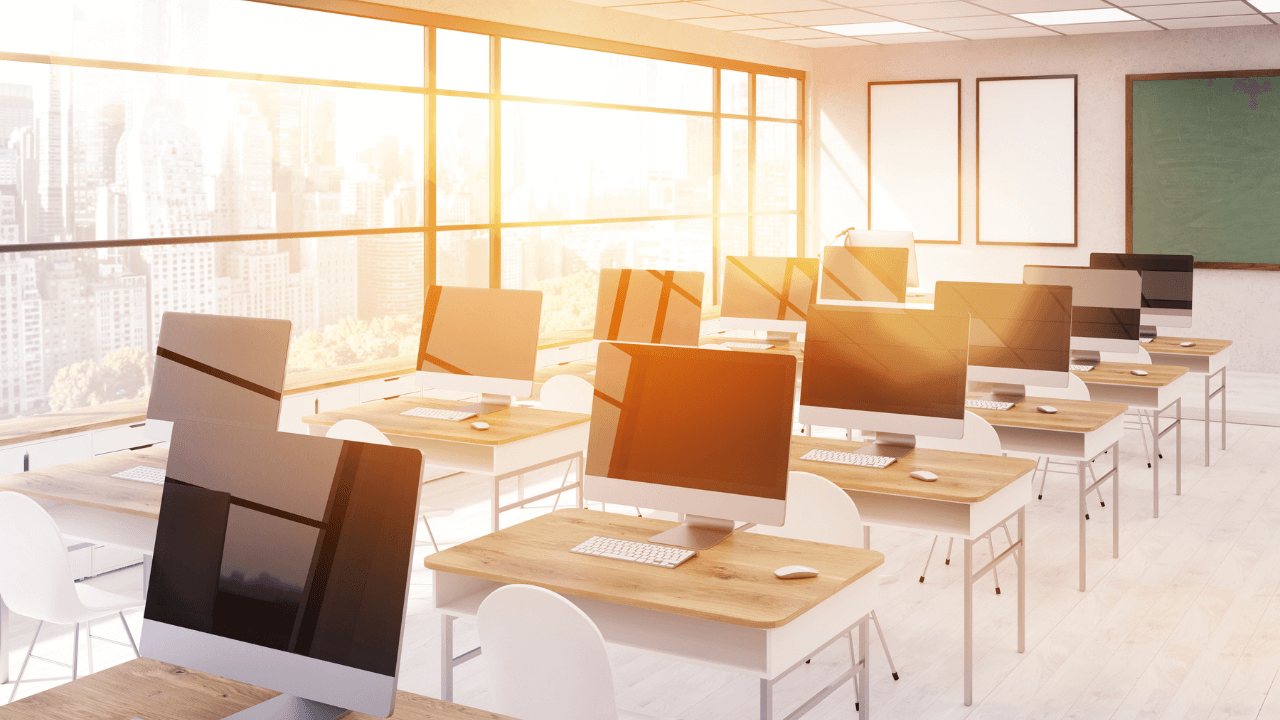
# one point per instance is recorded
(1239, 305)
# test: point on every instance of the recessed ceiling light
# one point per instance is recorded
(874, 28)
(1075, 17)
(1266, 6)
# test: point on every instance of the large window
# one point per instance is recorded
(243, 158)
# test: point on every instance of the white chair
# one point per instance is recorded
(361, 431)
(545, 658)
(819, 511)
(1075, 390)
(1146, 421)
(981, 438)
(35, 581)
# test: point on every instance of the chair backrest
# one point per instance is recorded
(1075, 390)
(357, 430)
(544, 657)
(567, 393)
(818, 511)
(35, 573)
(979, 437)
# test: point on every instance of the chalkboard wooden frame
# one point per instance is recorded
(1129, 80)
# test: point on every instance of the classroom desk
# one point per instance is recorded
(974, 494)
(154, 690)
(1207, 356)
(723, 607)
(519, 440)
(1081, 430)
(1158, 390)
(95, 507)
(794, 349)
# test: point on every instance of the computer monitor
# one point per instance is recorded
(217, 368)
(888, 238)
(768, 293)
(649, 306)
(863, 275)
(1105, 306)
(1019, 335)
(480, 340)
(693, 431)
(1166, 286)
(282, 560)
(896, 371)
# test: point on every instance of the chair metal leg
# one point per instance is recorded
(129, 634)
(429, 534)
(1043, 476)
(22, 670)
(994, 570)
(853, 658)
(88, 642)
(555, 505)
(929, 557)
(1009, 537)
(950, 542)
(884, 644)
(75, 653)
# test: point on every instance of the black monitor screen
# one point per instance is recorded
(1106, 304)
(1166, 279)
(1025, 327)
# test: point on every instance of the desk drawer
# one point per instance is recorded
(56, 452)
(121, 437)
(387, 387)
(337, 398)
(565, 353)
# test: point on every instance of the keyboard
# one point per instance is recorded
(438, 414)
(142, 473)
(843, 458)
(988, 404)
(1082, 368)
(644, 553)
(747, 346)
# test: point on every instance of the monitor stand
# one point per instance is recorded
(1002, 392)
(781, 337)
(1091, 358)
(696, 532)
(892, 445)
(1146, 332)
(488, 403)
(288, 707)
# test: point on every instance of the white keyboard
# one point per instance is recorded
(637, 552)
(1145, 340)
(1081, 368)
(988, 404)
(142, 473)
(747, 346)
(844, 458)
(438, 414)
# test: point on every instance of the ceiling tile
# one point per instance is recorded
(984, 22)
(1187, 10)
(735, 22)
(755, 7)
(823, 17)
(1184, 23)
(911, 38)
(1004, 33)
(1090, 28)
(674, 10)
(832, 42)
(930, 10)
(1027, 6)
(788, 33)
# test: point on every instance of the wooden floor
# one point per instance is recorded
(1186, 624)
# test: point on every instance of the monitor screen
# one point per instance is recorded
(859, 274)
(218, 368)
(1105, 304)
(283, 559)
(693, 418)
(888, 238)
(480, 333)
(771, 289)
(1018, 334)
(887, 362)
(1166, 284)
(649, 306)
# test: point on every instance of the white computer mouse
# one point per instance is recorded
(1139, 373)
(923, 475)
(793, 572)
(1047, 409)
(1187, 344)
(480, 425)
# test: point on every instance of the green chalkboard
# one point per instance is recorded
(1204, 167)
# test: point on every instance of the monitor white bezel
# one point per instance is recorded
(430, 380)
(851, 239)
(1166, 317)
(741, 323)
(871, 304)
(1019, 376)
(1118, 345)
(872, 421)
(690, 501)
(319, 680)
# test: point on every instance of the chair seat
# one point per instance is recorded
(628, 715)
(100, 603)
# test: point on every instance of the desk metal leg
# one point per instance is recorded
(1022, 579)
(968, 622)
(493, 517)
(864, 652)
(4, 642)
(1177, 438)
(1208, 414)
(766, 699)
(1080, 466)
(1223, 389)
(446, 658)
(1155, 463)
(1115, 499)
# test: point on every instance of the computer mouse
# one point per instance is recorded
(923, 475)
(1047, 409)
(1139, 373)
(793, 572)
(1187, 344)
(480, 425)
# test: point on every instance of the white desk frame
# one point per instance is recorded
(769, 654)
(970, 521)
(1209, 365)
(567, 444)
(1159, 400)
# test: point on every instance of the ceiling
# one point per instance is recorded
(799, 21)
